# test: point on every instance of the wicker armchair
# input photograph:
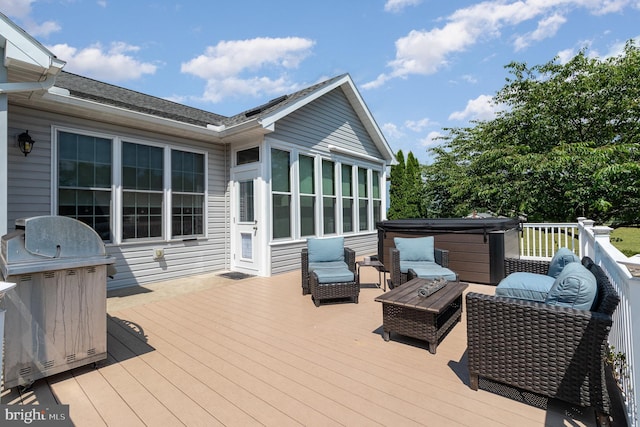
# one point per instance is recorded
(397, 277)
(552, 351)
(313, 283)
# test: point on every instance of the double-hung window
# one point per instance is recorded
(347, 199)
(160, 190)
(328, 197)
(363, 200)
(187, 193)
(377, 200)
(281, 193)
(307, 195)
(142, 191)
(84, 180)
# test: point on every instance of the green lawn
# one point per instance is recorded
(627, 240)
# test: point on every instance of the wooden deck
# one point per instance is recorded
(210, 351)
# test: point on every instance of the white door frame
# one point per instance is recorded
(248, 254)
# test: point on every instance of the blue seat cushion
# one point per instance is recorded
(526, 286)
(434, 271)
(327, 265)
(324, 250)
(575, 287)
(334, 275)
(415, 248)
(561, 258)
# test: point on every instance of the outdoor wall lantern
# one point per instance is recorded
(25, 143)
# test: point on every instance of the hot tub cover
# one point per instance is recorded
(450, 225)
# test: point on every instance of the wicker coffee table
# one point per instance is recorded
(406, 313)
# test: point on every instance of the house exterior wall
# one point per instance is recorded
(311, 131)
(32, 185)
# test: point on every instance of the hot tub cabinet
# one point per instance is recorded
(477, 247)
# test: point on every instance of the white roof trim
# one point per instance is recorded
(350, 153)
(23, 51)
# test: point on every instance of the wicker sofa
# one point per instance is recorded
(553, 351)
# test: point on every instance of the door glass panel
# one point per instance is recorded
(247, 245)
(246, 208)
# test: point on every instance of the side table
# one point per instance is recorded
(382, 272)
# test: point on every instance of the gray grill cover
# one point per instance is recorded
(50, 243)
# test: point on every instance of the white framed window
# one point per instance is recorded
(329, 199)
(281, 193)
(307, 188)
(147, 191)
(363, 200)
(347, 199)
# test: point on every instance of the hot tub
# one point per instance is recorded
(477, 246)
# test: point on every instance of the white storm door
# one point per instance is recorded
(247, 224)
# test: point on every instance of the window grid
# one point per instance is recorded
(306, 173)
(85, 187)
(281, 193)
(187, 199)
(84, 180)
(329, 202)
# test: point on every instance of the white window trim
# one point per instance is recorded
(116, 184)
(354, 161)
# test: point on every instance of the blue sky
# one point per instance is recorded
(420, 65)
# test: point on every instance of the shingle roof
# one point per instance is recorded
(86, 88)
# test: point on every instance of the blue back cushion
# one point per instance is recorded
(575, 287)
(415, 248)
(561, 258)
(324, 250)
(526, 286)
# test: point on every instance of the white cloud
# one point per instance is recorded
(481, 108)
(431, 139)
(425, 52)
(113, 64)
(547, 28)
(222, 66)
(20, 10)
(392, 131)
(418, 126)
(565, 55)
(17, 8)
(399, 5)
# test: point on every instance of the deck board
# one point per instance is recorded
(257, 352)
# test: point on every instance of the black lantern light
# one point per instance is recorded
(25, 143)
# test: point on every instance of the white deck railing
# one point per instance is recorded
(542, 240)
(585, 239)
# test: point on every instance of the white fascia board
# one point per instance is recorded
(369, 122)
(23, 51)
(61, 96)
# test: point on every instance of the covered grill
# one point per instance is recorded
(56, 315)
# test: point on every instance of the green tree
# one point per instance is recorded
(406, 191)
(397, 199)
(566, 143)
(414, 188)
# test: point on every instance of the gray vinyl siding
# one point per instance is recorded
(286, 257)
(329, 120)
(29, 194)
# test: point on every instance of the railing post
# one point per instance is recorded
(601, 236)
(585, 226)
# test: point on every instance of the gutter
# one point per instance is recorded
(28, 86)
